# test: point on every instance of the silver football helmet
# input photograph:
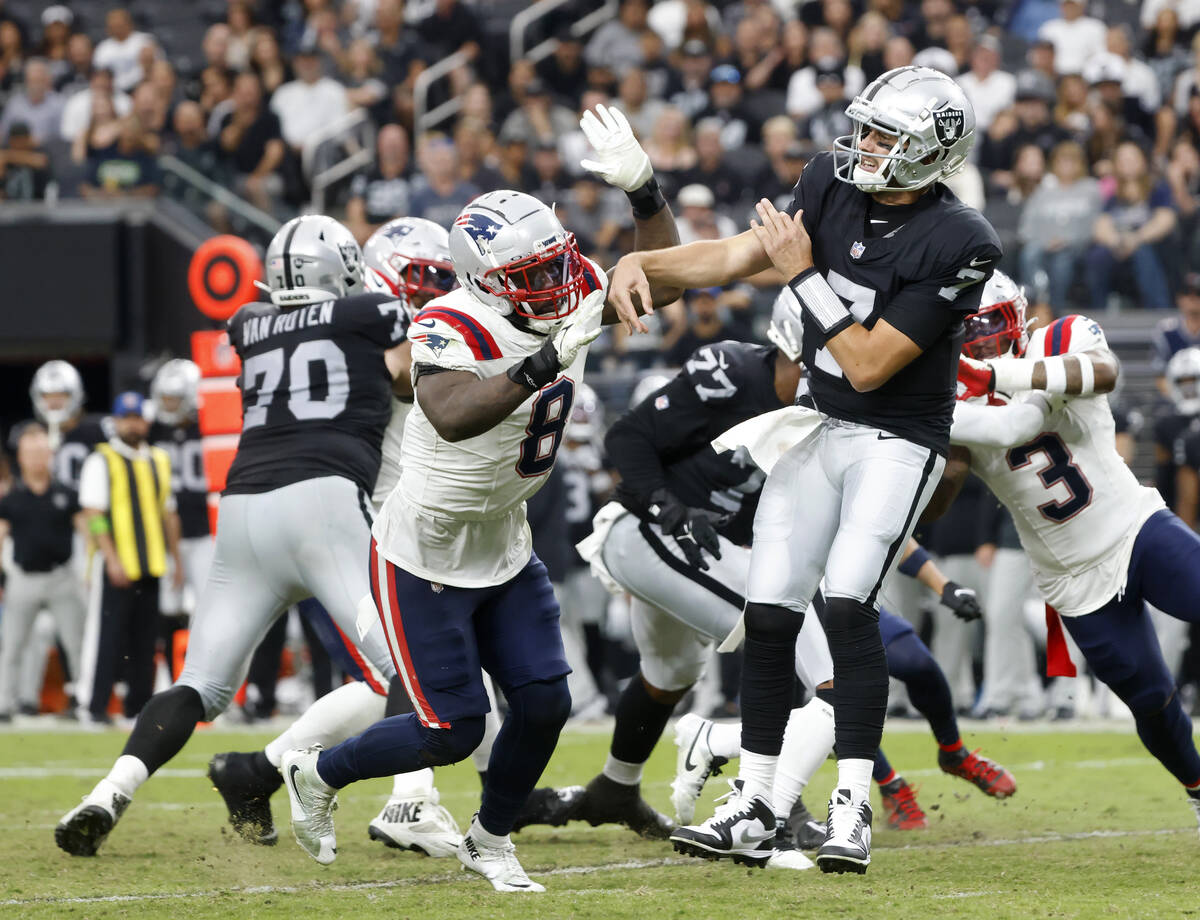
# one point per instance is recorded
(409, 258)
(999, 328)
(50, 381)
(786, 331)
(931, 120)
(511, 252)
(1183, 381)
(651, 383)
(312, 258)
(175, 391)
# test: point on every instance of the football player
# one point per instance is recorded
(1176, 419)
(318, 364)
(57, 396)
(1040, 434)
(457, 588)
(885, 263)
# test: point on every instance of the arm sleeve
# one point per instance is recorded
(989, 520)
(999, 426)
(923, 309)
(93, 483)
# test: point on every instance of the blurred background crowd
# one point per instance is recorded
(247, 112)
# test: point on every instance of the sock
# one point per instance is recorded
(860, 678)
(957, 745)
(1167, 735)
(127, 774)
(623, 772)
(482, 754)
(757, 773)
(855, 774)
(640, 722)
(768, 676)
(412, 785)
(882, 772)
(725, 739)
(343, 712)
(482, 835)
(399, 744)
(910, 661)
(164, 726)
(1193, 790)
(807, 741)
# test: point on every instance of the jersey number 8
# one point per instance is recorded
(544, 433)
(268, 368)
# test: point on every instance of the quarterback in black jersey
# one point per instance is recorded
(885, 263)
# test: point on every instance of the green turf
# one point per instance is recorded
(1097, 829)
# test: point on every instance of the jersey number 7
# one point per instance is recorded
(261, 375)
(860, 301)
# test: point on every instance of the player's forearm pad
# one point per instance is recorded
(820, 302)
(647, 200)
(539, 369)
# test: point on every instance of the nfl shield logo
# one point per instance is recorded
(857, 250)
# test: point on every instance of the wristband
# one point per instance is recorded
(913, 563)
(819, 301)
(99, 525)
(1012, 375)
(1056, 376)
(1087, 376)
(647, 199)
(539, 369)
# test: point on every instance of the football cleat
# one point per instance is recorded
(694, 764)
(498, 865)
(417, 823)
(313, 803)
(743, 829)
(247, 791)
(547, 805)
(847, 846)
(900, 803)
(785, 854)
(986, 774)
(809, 833)
(605, 801)
(85, 827)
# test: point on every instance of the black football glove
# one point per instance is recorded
(692, 528)
(963, 601)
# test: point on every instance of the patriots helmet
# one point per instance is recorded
(409, 258)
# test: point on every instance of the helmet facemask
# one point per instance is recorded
(416, 281)
(544, 288)
(998, 330)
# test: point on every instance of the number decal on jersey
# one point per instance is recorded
(547, 419)
(1060, 468)
(860, 301)
(187, 465)
(578, 491)
(713, 364)
(262, 373)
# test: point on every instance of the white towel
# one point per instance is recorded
(771, 435)
(591, 547)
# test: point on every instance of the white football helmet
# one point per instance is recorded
(312, 258)
(931, 119)
(586, 422)
(785, 330)
(56, 377)
(999, 328)
(178, 382)
(1183, 381)
(409, 258)
(651, 383)
(511, 252)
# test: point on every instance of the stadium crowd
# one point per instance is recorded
(1087, 165)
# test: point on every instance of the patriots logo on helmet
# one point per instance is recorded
(479, 227)
(948, 125)
(437, 343)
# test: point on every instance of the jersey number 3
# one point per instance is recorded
(1061, 468)
(544, 433)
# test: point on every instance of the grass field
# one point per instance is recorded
(1097, 830)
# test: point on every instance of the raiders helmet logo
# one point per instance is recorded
(350, 255)
(948, 126)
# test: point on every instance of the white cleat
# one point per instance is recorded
(498, 865)
(694, 764)
(1194, 801)
(313, 803)
(789, 859)
(417, 823)
(847, 846)
(88, 824)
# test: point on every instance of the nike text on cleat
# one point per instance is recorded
(986, 774)
(808, 832)
(85, 827)
(900, 803)
(743, 829)
(247, 792)
(417, 823)
(605, 801)
(847, 846)
(313, 803)
(498, 865)
(550, 806)
(694, 764)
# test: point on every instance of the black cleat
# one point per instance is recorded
(607, 802)
(550, 806)
(808, 831)
(88, 824)
(246, 783)
(742, 829)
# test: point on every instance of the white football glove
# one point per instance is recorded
(580, 329)
(620, 159)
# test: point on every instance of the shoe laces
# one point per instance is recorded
(506, 854)
(904, 801)
(844, 816)
(977, 767)
(731, 802)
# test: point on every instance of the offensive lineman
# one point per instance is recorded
(454, 579)
(318, 363)
(885, 262)
(1101, 545)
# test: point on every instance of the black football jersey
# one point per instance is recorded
(316, 391)
(665, 441)
(183, 445)
(921, 267)
(75, 446)
(586, 489)
(1173, 433)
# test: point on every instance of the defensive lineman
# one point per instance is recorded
(886, 262)
(295, 521)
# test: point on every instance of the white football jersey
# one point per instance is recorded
(1076, 505)
(457, 514)
(393, 442)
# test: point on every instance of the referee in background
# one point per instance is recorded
(125, 492)
(40, 514)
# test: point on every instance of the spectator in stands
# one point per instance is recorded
(825, 52)
(251, 143)
(617, 45)
(384, 192)
(1072, 112)
(539, 119)
(778, 134)
(989, 89)
(162, 78)
(866, 44)
(310, 102)
(1030, 122)
(688, 89)
(1056, 226)
(477, 104)
(705, 326)
(191, 145)
(677, 21)
(77, 75)
(1075, 37)
(698, 219)
(121, 51)
(551, 181)
(268, 63)
(12, 56)
(240, 19)
(474, 142)
(56, 34)
(1179, 331)
(669, 146)
(361, 75)
(1005, 203)
(758, 52)
(124, 168)
(38, 106)
(595, 215)
(24, 166)
(215, 46)
(1163, 50)
(397, 46)
(151, 110)
(102, 131)
(1140, 81)
(1183, 176)
(633, 98)
(564, 70)
(1189, 79)
(725, 103)
(829, 120)
(451, 27)
(438, 194)
(216, 95)
(711, 168)
(79, 109)
(1134, 220)
(513, 163)
(1106, 73)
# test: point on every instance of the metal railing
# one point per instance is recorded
(360, 159)
(425, 119)
(218, 193)
(531, 14)
(354, 128)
